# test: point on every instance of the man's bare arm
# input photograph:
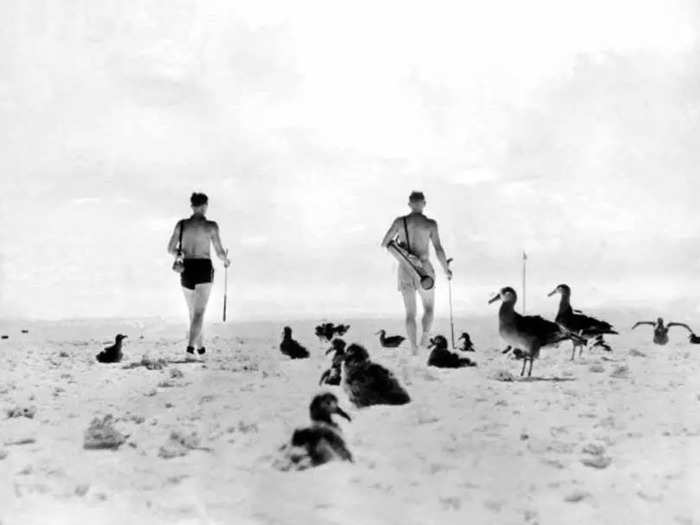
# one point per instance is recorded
(174, 239)
(216, 240)
(393, 230)
(439, 250)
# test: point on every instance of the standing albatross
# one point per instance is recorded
(578, 323)
(527, 332)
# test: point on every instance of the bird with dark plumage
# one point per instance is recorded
(392, 341)
(326, 331)
(441, 357)
(290, 347)
(527, 333)
(320, 442)
(575, 321)
(367, 383)
(661, 330)
(333, 374)
(112, 354)
(467, 345)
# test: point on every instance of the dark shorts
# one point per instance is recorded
(197, 271)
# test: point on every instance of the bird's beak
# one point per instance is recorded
(550, 294)
(377, 333)
(342, 413)
(329, 350)
(495, 298)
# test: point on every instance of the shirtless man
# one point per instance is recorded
(421, 232)
(197, 234)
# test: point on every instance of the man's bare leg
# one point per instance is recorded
(409, 301)
(428, 299)
(189, 297)
(197, 300)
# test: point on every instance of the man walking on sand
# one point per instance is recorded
(190, 243)
(416, 231)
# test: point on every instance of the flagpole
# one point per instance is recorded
(524, 282)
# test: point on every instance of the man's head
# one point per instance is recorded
(416, 201)
(199, 202)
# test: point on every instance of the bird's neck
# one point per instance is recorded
(323, 418)
(565, 303)
(506, 311)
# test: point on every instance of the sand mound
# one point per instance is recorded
(503, 375)
(636, 353)
(595, 456)
(621, 372)
(152, 363)
(292, 458)
(179, 444)
(101, 434)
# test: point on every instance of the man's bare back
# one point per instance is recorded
(420, 231)
(197, 236)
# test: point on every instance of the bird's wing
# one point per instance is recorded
(639, 323)
(336, 444)
(535, 324)
(669, 325)
(383, 381)
(589, 325)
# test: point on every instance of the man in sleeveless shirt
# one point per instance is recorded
(421, 232)
(197, 233)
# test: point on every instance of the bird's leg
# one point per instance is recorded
(522, 372)
(529, 372)
(573, 350)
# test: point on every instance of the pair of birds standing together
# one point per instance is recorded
(526, 335)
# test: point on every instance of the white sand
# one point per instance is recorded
(468, 449)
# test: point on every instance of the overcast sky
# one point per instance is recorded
(566, 129)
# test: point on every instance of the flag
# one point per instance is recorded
(524, 256)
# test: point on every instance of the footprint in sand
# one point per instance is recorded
(21, 411)
(594, 456)
(577, 496)
(179, 444)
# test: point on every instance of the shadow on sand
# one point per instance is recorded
(550, 379)
(186, 361)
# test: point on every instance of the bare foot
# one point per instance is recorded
(414, 350)
(425, 340)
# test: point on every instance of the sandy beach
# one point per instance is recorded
(609, 438)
